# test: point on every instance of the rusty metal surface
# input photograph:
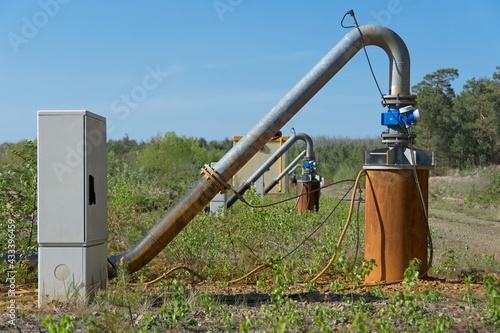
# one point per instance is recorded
(201, 194)
(395, 228)
(167, 228)
(309, 201)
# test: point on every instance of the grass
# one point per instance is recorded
(228, 247)
(474, 193)
(281, 298)
(224, 248)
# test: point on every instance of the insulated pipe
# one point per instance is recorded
(206, 188)
(285, 172)
(270, 161)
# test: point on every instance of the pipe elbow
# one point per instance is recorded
(309, 144)
(394, 47)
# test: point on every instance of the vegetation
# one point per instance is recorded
(146, 178)
(463, 130)
(18, 197)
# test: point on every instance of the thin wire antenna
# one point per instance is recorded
(351, 12)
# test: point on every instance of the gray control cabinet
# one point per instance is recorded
(72, 204)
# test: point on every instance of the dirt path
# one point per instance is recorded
(458, 230)
(453, 232)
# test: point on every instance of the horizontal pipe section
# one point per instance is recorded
(201, 194)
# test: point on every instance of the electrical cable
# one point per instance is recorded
(422, 204)
(343, 18)
(266, 265)
(410, 140)
(351, 12)
(319, 226)
(169, 273)
(345, 227)
(242, 199)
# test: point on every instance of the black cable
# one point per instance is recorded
(318, 227)
(342, 22)
(422, 204)
(407, 132)
(242, 199)
(351, 12)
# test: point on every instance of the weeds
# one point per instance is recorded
(65, 325)
(492, 308)
(227, 247)
(18, 197)
(172, 313)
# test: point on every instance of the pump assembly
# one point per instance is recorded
(395, 223)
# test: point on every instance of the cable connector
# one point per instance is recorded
(351, 12)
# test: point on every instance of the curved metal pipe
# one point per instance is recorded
(270, 161)
(290, 166)
(201, 194)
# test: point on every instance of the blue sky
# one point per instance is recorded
(214, 68)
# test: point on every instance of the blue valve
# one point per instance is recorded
(407, 116)
(310, 165)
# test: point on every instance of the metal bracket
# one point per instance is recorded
(210, 173)
(398, 158)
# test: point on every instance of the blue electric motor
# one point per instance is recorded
(406, 116)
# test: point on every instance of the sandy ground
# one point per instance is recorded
(456, 231)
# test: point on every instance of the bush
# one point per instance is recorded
(18, 198)
(490, 196)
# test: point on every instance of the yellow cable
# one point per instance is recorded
(259, 268)
(170, 272)
(356, 185)
(264, 266)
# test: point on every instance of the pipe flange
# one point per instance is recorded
(398, 138)
(210, 173)
(399, 101)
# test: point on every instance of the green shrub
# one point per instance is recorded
(18, 198)
(65, 325)
(490, 196)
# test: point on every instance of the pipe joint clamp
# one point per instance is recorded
(210, 173)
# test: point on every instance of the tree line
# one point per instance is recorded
(462, 129)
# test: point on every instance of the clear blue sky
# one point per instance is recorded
(220, 65)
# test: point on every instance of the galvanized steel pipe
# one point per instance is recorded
(270, 161)
(285, 172)
(201, 194)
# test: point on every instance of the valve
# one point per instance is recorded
(309, 167)
(406, 116)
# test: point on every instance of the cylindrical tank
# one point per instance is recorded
(395, 226)
(308, 201)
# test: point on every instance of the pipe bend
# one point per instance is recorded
(394, 47)
(309, 144)
(200, 194)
